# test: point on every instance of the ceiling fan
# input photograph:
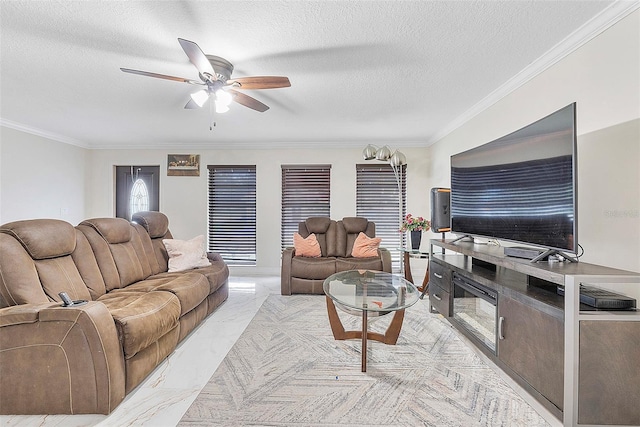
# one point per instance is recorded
(216, 82)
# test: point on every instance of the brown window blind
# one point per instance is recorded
(232, 213)
(306, 191)
(377, 200)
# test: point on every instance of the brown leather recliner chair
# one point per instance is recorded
(306, 275)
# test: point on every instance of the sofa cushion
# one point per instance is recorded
(313, 268)
(85, 260)
(319, 224)
(190, 288)
(118, 250)
(186, 254)
(141, 318)
(355, 225)
(365, 246)
(307, 247)
(61, 275)
(325, 230)
(19, 281)
(216, 274)
(347, 231)
(352, 263)
(37, 262)
(113, 230)
(156, 223)
(43, 238)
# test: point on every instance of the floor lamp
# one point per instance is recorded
(396, 160)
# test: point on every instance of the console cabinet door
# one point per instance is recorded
(609, 385)
(439, 288)
(531, 343)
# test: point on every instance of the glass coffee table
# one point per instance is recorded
(368, 293)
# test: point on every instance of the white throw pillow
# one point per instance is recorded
(186, 254)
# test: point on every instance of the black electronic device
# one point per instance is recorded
(523, 252)
(440, 210)
(484, 264)
(521, 187)
(603, 298)
(68, 302)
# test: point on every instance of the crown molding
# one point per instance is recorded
(42, 133)
(592, 28)
(264, 145)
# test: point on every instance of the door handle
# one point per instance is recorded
(500, 324)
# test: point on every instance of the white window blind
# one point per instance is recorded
(232, 213)
(306, 192)
(377, 200)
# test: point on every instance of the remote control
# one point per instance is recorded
(65, 299)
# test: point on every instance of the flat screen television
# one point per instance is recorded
(521, 187)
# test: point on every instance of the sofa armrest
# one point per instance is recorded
(285, 273)
(214, 256)
(60, 360)
(385, 255)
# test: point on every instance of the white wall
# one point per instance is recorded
(184, 199)
(603, 77)
(40, 178)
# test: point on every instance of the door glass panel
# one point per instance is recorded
(139, 198)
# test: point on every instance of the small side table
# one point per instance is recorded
(407, 255)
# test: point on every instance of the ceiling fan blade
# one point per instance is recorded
(161, 76)
(261, 82)
(198, 58)
(191, 105)
(248, 101)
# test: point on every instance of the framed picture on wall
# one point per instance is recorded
(183, 165)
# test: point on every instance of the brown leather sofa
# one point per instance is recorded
(305, 275)
(86, 358)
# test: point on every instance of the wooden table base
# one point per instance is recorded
(389, 337)
(408, 276)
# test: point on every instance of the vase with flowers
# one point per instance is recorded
(416, 225)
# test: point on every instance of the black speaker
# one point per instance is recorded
(440, 212)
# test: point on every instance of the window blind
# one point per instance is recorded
(377, 200)
(306, 192)
(232, 213)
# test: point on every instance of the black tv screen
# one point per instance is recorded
(521, 187)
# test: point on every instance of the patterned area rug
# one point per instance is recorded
(287, 370)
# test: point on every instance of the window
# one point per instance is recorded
(232, 213)
(377, 200)
(306, 191)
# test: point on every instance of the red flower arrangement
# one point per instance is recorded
(411, 223)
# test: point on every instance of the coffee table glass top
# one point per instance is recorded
(371, 290)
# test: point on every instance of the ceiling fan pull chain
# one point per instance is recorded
(211, 115)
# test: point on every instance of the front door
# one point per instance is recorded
(137, 189)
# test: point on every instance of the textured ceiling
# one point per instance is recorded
(360, 71)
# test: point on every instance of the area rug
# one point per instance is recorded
(287, 370)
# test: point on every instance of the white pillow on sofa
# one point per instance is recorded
(186, 254)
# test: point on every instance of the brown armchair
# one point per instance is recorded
(305, 275)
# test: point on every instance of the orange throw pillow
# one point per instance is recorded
(308, 247)
(365, 246)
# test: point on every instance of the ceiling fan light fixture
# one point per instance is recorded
(215, 74)
(221, 108)
(200, 97)
(223, 98)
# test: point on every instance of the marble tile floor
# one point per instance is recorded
(163, 398)
(167, 393)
